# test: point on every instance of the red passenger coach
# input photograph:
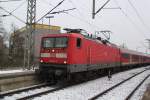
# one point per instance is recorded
(63, 55)
(133, 58)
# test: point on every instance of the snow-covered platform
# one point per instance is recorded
(14, 71)
(13, 79)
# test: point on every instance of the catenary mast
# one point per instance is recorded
(29, 36)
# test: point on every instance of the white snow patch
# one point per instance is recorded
(13, 71)
(23, 94)
(139, 94)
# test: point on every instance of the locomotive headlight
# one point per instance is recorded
(61, 55)
(65, 62)
(41, 61)
(53, 50)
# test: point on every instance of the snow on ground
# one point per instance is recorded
(91, 88)
(139, 94)
(16, 96)
(86, 90)
(121, 92)
(12, 71)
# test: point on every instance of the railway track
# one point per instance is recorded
(137, 87)
(17, 91)
(36, 94)
(41, 93)
(120, 83)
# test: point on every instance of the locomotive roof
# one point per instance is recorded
(81, 36)
(63, 34)
(124, 50)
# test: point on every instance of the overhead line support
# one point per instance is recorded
(94, 13)
(29, 36)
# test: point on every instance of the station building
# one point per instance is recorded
(17, 41)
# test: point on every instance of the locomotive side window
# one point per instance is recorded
(125, 55)
(78, 44)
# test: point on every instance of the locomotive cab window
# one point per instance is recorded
(54, 42)
(78, 43)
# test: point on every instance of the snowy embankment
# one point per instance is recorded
(89, 89)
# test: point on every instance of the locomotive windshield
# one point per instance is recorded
(54, 42)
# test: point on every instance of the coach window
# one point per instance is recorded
(125, 55)
(78, 44)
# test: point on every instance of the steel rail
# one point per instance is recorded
(51, 90)
(43, 92)
(137, 87)
(111, 88)
(11, 92)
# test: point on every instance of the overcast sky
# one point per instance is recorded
(129, 25)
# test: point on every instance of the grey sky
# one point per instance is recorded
(126, 27)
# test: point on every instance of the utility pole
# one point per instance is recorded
(49, 17)
(2, 29)
(93, 10)
(29, 36)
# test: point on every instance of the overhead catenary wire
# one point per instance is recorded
(93, 25)
(81, 19)
(138, 15)
(130, 20)
(50, 10)
(62, 11)
(13, 15)
(81, 5)
(102, 6)
(24, 2)
(10, 12)
(78, 18)
(79, 10)
(75, 7)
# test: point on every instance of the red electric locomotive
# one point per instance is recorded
(65, 55)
